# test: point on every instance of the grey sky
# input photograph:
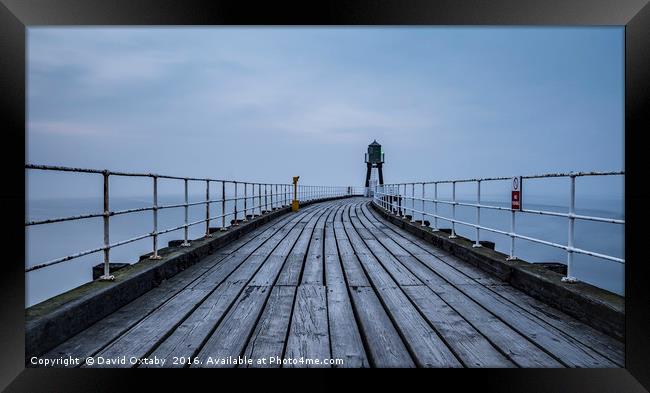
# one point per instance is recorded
(263, 104)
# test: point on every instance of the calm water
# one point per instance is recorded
(45, 242)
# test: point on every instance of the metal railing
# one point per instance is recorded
(390, 197)
(257, 199)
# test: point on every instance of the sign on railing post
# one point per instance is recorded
(515, 199)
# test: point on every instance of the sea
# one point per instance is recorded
(49, 241)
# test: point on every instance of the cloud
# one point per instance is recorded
(205, 95)
(66, 128)
(99, 69)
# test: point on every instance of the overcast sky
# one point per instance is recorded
(264, 104)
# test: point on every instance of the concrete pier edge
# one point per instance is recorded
(600, 309)
(51, 322)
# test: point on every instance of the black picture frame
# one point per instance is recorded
(17, 15)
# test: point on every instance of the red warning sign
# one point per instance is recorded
(516, 193)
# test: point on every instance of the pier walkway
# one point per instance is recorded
(337, 281)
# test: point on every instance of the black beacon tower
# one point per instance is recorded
(374, 159)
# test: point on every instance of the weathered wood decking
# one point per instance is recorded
(337, 281)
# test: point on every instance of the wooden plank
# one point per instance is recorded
(344, 245)
(313, 272)
(398, 272)
(344, 333)
(384, 345)
(389, 242)
(428, 349)
(330, 246)
(353, 271)
(376, 271)
(561, 345)
(370, 251)
(185, 340)
(598, 341)
(308, 333)
(257, 269)
(586, 335)
(103, 332)
(420, 248)
(269, 336)
(268, 247)
(214, 277)
(225, 341)
(472, 348)
(515, 346)
(290, 274)
(333, 269)
(356, 277)
(94, 338)
(271, 268)
(188, 337)
(231, 336)
(139, 340)
(234, 260)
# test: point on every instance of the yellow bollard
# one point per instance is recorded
(294, 203)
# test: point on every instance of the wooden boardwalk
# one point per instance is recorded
(335, 281)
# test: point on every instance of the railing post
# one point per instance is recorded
(155, 219)
(435, 206)
(259, 196)
(412, 202)
(512, 237)
(402, 200)
(266, 204)
(423, 204)
(453, 210)
(236, 199)
(376, 197)
(276, 189)
(570, 278)
(207, 208)
(245, 219)
(223, 206)
(106, 217)
(478, 214)
(186, 208)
